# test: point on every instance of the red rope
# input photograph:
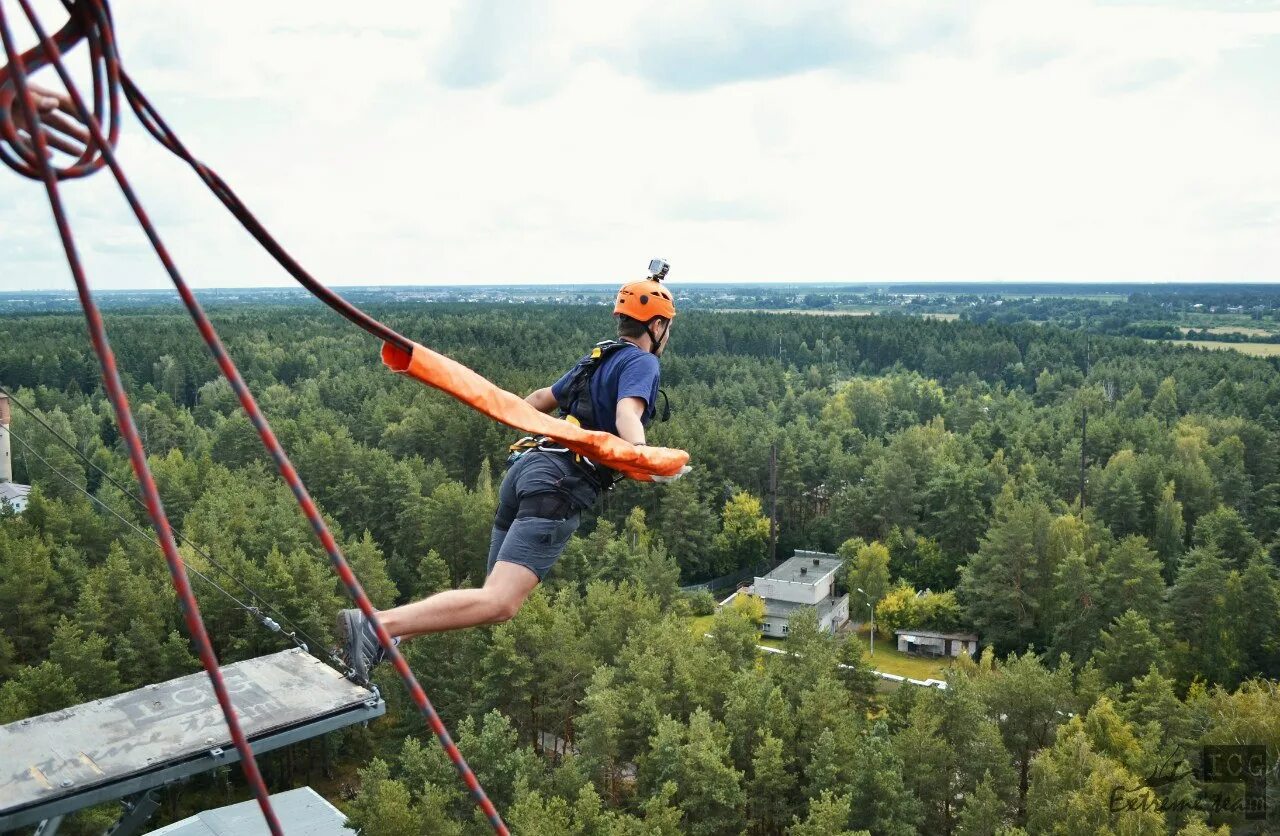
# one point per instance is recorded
(137, 457)
(103, 146)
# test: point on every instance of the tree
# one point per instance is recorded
(1169, 532)
(456, 523)
(84, 659)
(1128, 648)
(1165, 403)
(686, 526)
(36, 689)
(656, 571)
(1117, 496)
(432, 576)
(235, 442)
(983, 813)
(868, 568)
(1224, 532)
(920, 561)
(1002, 584)
(893, 493)
(955, 496)
(131, 609)
(754, 707)
(1029, 702)
(366, 562)
(1073, 789)
(599, 726)
(744, 534)
(1255, 601)
(26, 575)
(696, 759)
(828, 816)
(951, 744)
(514, 666)
(898, 610)
(1157, 714)
(383, 807)
(1076, 607)
(881, 802)
(1132, 580)
(1207, 641)
(770, 790)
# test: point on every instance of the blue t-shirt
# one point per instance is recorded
(629, 372)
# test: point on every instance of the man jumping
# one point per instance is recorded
(613, 389)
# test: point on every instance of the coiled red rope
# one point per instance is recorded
(39, 166)
(29, 155)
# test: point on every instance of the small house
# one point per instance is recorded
(931, 643)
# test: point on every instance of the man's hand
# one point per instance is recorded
(666, 480)
(65, 134)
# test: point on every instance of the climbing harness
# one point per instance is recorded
(575, 401)
(578, 408)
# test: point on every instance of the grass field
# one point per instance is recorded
(887, 659)
(1252, 349)
(1233, 329)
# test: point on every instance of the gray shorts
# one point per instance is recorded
(540, 505)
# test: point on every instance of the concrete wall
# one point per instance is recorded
(957, 645)
(6, 463)
(773, 627)
(838, 616)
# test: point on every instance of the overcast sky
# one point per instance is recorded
(480, 142)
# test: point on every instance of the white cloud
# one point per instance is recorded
(485, 142)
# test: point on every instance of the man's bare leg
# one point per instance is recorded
(501, 597)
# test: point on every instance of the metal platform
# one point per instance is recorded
(131, 743)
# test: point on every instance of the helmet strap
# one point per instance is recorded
(653, 341)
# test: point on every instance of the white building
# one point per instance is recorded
(14, 495)
(11, 493)
(806, 580)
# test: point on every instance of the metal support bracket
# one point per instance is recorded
(138, 810)
(49, 827)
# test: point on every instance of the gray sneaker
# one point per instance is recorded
(359, 644)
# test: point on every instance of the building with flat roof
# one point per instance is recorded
(302, 810)
(807, 579)
(933, 643)
(14, 495)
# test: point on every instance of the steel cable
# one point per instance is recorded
(297, 635)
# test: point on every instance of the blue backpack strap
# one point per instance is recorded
(575, 397)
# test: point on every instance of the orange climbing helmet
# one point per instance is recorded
(644, 300)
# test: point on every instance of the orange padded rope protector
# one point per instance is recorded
(453, 378)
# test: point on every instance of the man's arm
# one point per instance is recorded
(627, 417)
(542, 400)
